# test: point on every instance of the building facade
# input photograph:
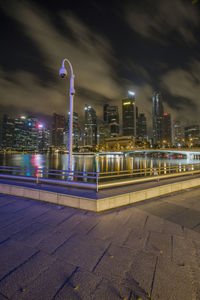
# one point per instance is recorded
(157, 118)
(58, 130)
(129, 116)
(90, 132)
(111, 117)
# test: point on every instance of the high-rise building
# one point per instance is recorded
(103, 132)
(157, 114)
(178, 134)
(166, 130)
(192, 135)
(141, 127)
(111, 117)
(90, 132)
(105, 112)
(24, 134)
(7, 132)
(57, 130)
(129, 115)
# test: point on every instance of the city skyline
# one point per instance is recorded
(144, 48)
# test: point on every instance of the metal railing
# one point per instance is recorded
(97, 180)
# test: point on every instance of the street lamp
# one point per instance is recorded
(63, 74)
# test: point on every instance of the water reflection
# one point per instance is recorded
(92, 163)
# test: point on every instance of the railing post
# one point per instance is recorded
(97, 181)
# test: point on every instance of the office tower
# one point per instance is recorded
(76, 131)
(90, 137)
(105, 112)
(33, 128)
(44, 137)
(111, 117)
(103, 132)
(57, 130)
(178, 134)
(166, 130)
(7, 132)
(21, 133)
(157, 115)
(129, 115)
(192, 135)
(141, 127)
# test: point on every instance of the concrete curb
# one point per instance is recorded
(97, 205)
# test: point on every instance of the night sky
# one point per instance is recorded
(113, 47)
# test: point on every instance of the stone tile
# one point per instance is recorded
(159, 243)
(108, 290)
(81, 285)
(48, 283)
(153, 223)
(172, 228)
(141, 272)
(183, 251)
(172, 282)
(82, 251)
(12, 255)
(26, 273)
(2, 297)
(115, 263)
(187, 218)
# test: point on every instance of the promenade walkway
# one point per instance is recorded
(147, 250)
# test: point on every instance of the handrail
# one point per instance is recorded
(99, 178)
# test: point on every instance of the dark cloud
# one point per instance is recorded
(157, 19)
(113, 47)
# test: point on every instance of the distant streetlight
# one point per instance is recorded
(63, 74)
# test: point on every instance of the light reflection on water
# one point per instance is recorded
(88, 163)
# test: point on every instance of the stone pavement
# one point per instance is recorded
(149, 250)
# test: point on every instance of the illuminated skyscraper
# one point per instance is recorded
(57, 130)
(129, 115)
(178, 134)
(90, 132)
(166, 130)
(7, 132)
(142, 127)
(111, 118)
(157, 114)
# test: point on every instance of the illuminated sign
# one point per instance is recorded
(127, 103)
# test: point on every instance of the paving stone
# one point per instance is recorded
(81, 285)
(54, 217)
(115, 263)
(2, 297)
(23, 275)
(183, 250)
(52, 241)
(172, 228)
(50, 252)
(153, 223)
(188, 218)
(108, 290)
(82, 251)
(159, 243)
(12, 255)
(48, 283)
(32, 234)
(172, 282)
(141, 272)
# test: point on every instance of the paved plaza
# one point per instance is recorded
(149, 250)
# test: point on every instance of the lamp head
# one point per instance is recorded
(63, 72)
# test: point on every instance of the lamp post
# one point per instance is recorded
(63, 74)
